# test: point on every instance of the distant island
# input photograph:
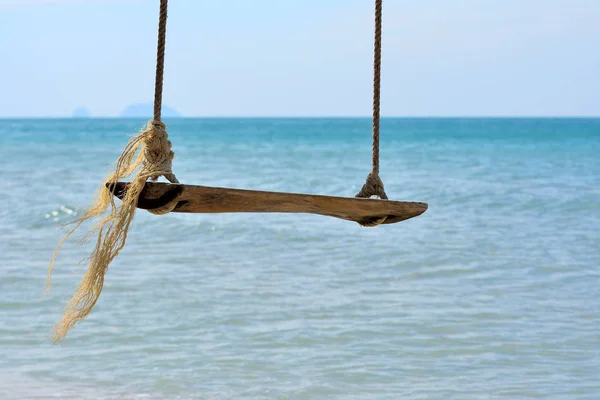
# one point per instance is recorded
(81, 112)
(146, 110)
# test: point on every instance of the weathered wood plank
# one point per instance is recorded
(206, 199)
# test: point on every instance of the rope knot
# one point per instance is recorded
(373, 187)
(158, 156)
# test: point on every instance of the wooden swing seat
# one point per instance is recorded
(206, 199)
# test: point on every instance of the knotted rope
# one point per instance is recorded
(374, 185)
(153, 160)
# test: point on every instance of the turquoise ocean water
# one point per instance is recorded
(492, 293)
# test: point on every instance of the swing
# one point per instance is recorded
(154, 159)
(163, 197)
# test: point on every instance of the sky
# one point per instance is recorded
(302, 57)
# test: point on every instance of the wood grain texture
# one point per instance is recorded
(206, 199)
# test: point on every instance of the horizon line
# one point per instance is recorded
(314, 117)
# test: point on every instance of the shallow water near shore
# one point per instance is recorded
(492, 293)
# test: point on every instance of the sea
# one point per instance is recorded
(492, 293)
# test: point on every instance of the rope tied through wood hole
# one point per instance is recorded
(374, 185)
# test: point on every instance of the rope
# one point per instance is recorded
(376, 85)
(374, 185)
(158, 155)
(155, 158)
(160, 59)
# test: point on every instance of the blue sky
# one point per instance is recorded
(303, 57)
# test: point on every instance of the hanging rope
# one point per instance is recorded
(374, 185)
(155, 158)
(158, 147)
(160, 59)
